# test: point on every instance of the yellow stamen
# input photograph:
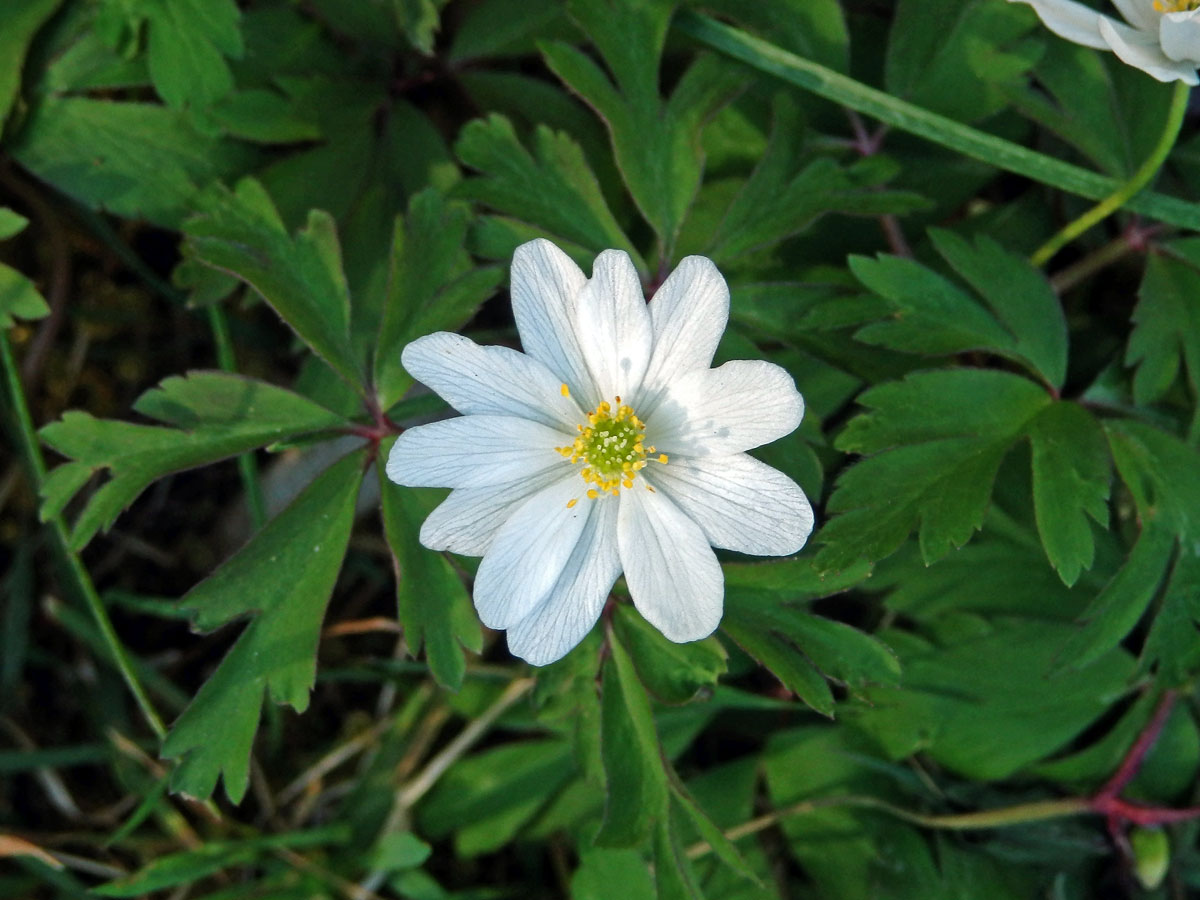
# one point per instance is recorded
(571, 503)
(565, 391)
(610, 448)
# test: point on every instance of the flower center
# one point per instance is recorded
(1171, 6)
(610, 448)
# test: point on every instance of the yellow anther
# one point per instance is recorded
(564, 390)
(662, 458)
(571, 503)
(610, 447)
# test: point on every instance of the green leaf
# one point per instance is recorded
(432, 285)
(935, 441)
(433, 605)
(419, 21)
(956, 57)
(674, 673)
(1166, 320)
(282, 579)
(1017, 294)
(19, 298)
(398, 850)
(1071, 473)
(777, 201)
(1021, 320)
(136, 160)
(1001, 572)
(656, 142)
(11, 223)
(633, 765)
(1173, 643)
(216, 415)
(301, 278)
(804, 650)
(264, 116)
(1160, 472)
(929, 313)
(552, 187)
(186, 49)
(1120, 605)
(19, 22)
(984, 706)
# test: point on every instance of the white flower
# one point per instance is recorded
(608, 446)
(1162, 37)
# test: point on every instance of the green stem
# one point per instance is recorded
(990, 818)
(1126, 191)
(26, 438)
(949, 133)
(247, 470)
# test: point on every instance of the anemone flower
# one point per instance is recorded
(609, 446)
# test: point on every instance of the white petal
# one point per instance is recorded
(614, 326)
(574, 604)
(717, 412)
(528, 554)
(1179, 35)
(688, 314)
(1142, 51)
(1141, 14)
(474, 451)
(1073, 21)
(545, 285)
(468, 519)
(479, 380)
(673, 575)
(739, 503)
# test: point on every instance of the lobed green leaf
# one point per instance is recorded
(215, 416)
(1071, 474)
(656, 143)
(1166, 332)
(301, 278)
(276, 652)
(552, 187)
(936, 440)
(135, 160)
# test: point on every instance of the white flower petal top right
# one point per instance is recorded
(1160, 37)
(609, 446)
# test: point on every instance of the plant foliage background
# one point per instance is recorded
(228, 669)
